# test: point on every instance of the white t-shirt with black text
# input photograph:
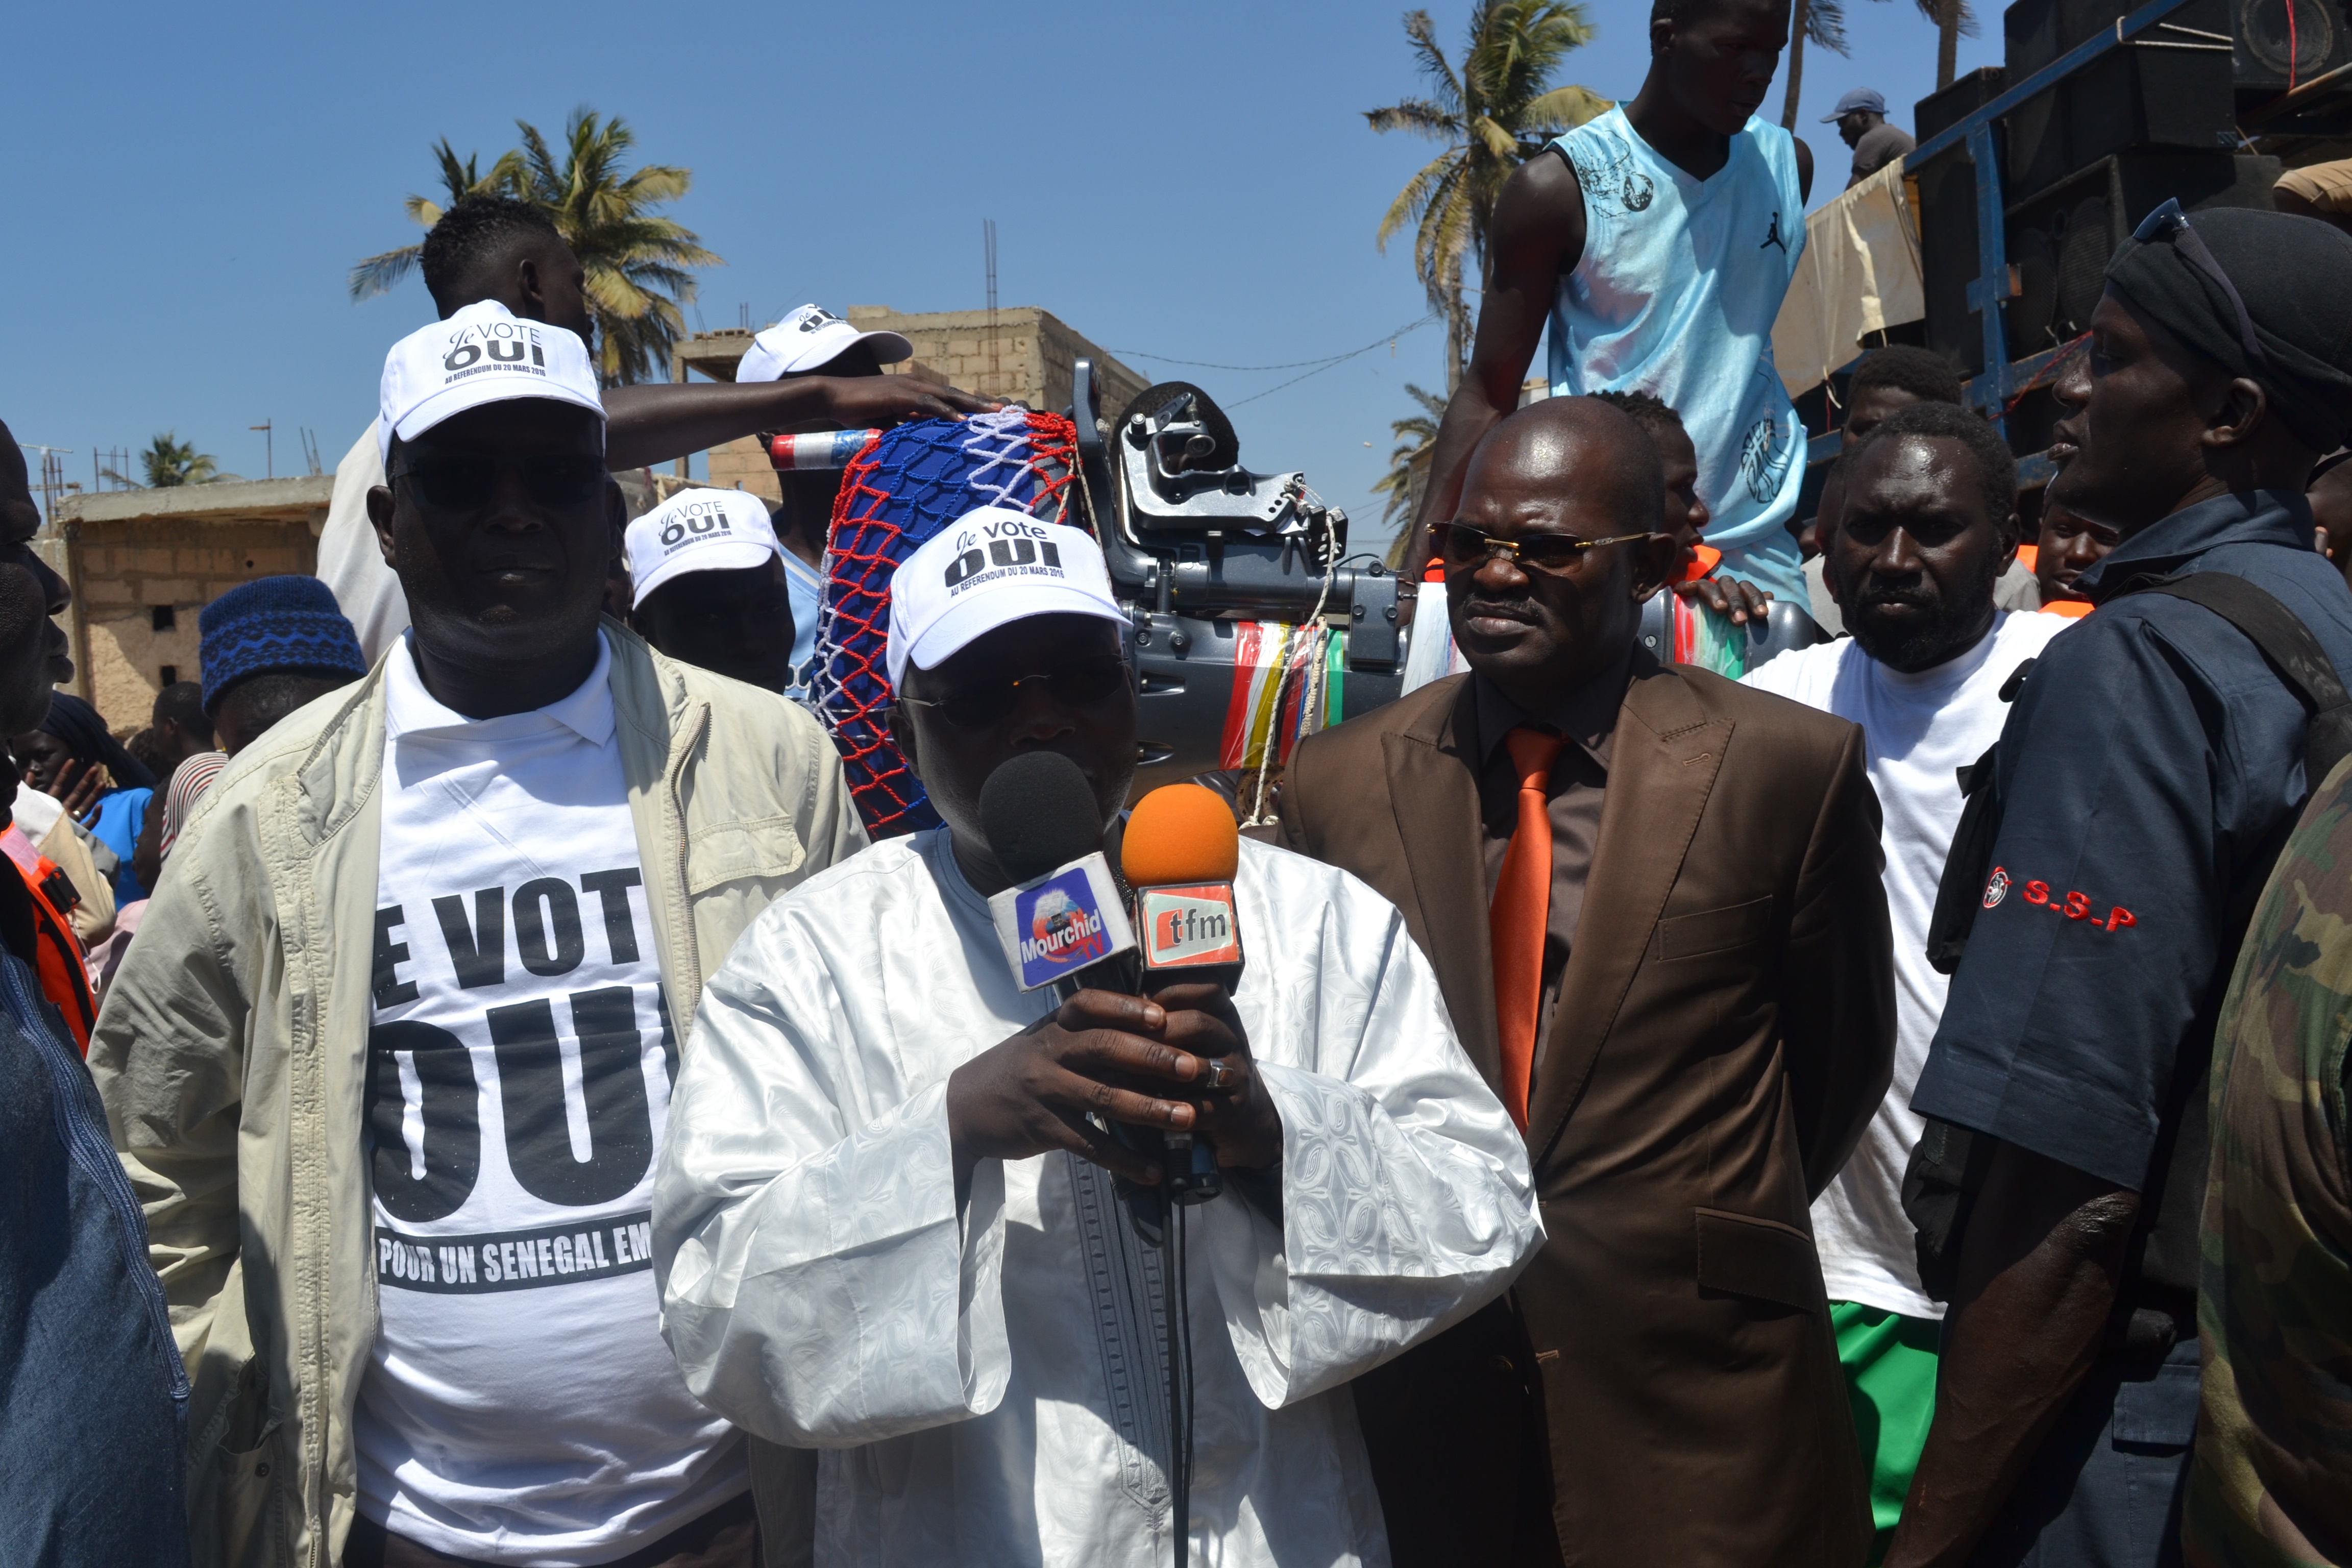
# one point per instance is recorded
(521, 1405)
(1919, 730)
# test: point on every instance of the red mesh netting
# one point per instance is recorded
(906, 486)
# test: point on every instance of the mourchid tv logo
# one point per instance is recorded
(497, 342)
(1061, 923)
(1064, 930)
(1009, 543)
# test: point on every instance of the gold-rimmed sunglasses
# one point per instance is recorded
(1459, 545)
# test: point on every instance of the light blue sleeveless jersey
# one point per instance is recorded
(1675, 296)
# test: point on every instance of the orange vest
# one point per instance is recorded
(64, 980)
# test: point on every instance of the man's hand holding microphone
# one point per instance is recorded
(1145, 1039)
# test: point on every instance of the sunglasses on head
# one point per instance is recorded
(468, 481)
(1462, 547)
(1079, 683)
(2168, 223)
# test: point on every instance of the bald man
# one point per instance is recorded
(1690, 1072)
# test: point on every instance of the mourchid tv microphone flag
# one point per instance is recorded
(1063, 915)
(1064, 922)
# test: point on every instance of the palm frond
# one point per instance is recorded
(1423, 33)
(379, 274)
(1825, 25)
(1411, 201)
(1564, 109)
(1418, 116)
(1934, 11)
(1500, 143)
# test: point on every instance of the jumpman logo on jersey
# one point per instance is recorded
(1773, 237)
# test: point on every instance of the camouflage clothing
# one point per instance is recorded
(2272, 1483)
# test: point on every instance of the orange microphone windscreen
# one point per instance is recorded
(1179, 833)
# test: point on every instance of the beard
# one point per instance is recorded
(1946, 614)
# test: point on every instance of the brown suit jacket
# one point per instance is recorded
(1724, 1030)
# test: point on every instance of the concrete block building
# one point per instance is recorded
(1027, 356)
(143, 562)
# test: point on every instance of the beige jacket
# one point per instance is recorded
(232, 1050)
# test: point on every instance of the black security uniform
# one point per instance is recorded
(2146, 777)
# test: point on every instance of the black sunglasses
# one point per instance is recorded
(468, 481)
(2168, 223)
(1079, 683)
(1463, 546)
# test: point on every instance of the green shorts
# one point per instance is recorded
(1890, 1382)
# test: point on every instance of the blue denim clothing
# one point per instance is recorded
(2105, 1488)
(93, 1401)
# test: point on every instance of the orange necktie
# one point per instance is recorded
(1522, 906)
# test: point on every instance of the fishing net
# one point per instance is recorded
(908, 484)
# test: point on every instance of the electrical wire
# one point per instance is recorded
(1293, 365)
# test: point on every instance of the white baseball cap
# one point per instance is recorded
(809, 339)
(988, 568)
(700, 530)
(484, 353)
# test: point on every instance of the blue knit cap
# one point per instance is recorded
(272, 626)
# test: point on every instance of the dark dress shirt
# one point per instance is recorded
(2146, 776)
(1580, 778)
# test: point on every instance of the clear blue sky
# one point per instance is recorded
(193, 183)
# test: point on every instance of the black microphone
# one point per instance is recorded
(1063, 920)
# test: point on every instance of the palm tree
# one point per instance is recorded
(169, 461)
(1820, 21)
(377, 274)
(636, 263)
(1952, 18)
(1494, 113)
(1408, 472)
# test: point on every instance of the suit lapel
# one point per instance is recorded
(1663, 763)
(1434, 790)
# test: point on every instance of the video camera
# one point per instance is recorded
(1198, 547)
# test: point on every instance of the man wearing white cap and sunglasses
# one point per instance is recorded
(708, 577)
(886, 1223)
(392, 1062)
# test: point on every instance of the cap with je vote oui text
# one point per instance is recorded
(484, 353)
(989, 568)
(700, 530)
(809, 339)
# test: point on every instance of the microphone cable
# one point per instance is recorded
(1175, 1286)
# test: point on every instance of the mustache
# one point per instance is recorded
(1486, 604)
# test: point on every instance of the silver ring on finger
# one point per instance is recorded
(1220, 1075)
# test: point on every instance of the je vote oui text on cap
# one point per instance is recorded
(700, 530)
(808, 340)
(484, 353)
(991, 567)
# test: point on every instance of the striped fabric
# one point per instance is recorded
(189, 783)
(1286, 683)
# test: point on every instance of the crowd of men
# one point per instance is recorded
(473, 1093)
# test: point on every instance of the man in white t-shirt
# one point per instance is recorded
(390, 1062)
(1929, 523)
